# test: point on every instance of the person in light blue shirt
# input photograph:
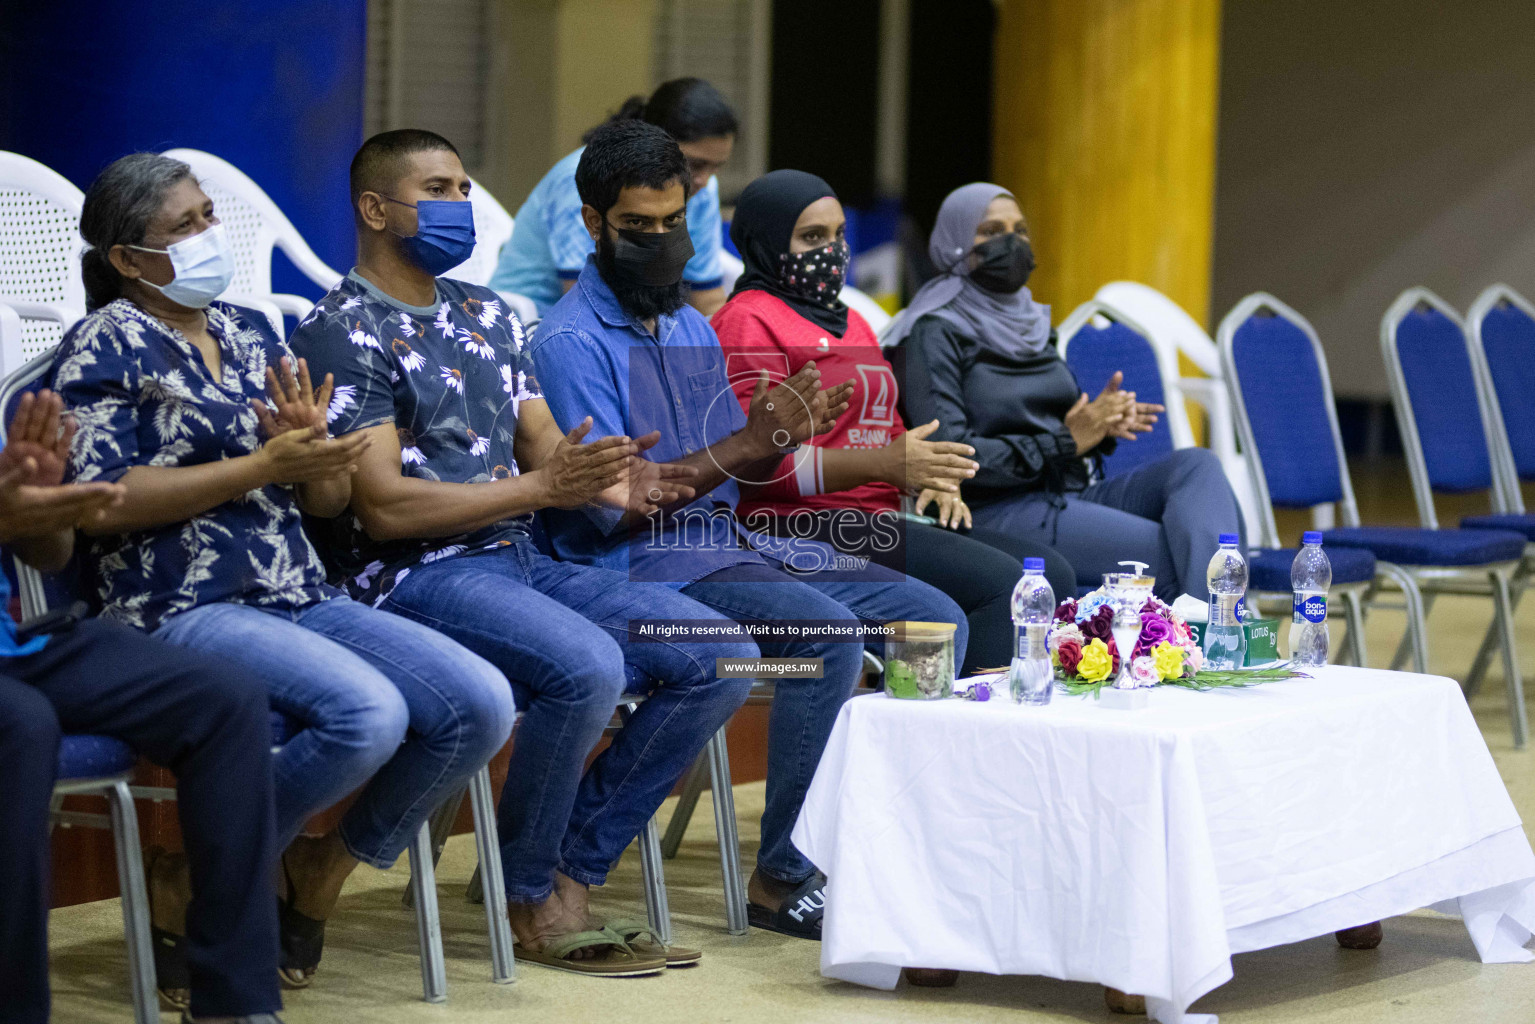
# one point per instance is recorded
(550, 244)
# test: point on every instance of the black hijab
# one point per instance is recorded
(761, 230)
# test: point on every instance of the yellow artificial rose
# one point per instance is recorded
(1169, 661)
(1096, 663)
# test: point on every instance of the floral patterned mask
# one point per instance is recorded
(818, 275)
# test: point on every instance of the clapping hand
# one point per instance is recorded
(1136, 417)
(648, 486)
(34, 501)
(576, 473)
(296, 405)
(796, 410)
(920, 464)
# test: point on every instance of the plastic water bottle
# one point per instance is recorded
(1225, 647)
(1031, 680)
(1310, 576)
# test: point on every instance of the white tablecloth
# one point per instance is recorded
(1140, 849)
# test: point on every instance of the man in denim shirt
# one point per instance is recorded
(439, 530)
(622, 348)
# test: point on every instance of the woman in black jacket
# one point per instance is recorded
(981, 359)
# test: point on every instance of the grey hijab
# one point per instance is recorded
(1012, 325)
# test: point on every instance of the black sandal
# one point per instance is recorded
(302, 939)
(801, 913)
(173, 979)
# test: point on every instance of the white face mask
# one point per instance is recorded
(203, 265)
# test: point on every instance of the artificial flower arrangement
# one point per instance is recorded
(1086, 657)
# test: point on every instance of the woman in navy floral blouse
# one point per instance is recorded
(207, 550)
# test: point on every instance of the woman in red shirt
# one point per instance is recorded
(844, 487)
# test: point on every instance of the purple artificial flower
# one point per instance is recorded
(1154, 630)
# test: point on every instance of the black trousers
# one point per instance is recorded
(976, 568)
(206, 721)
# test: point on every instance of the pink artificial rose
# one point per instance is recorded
(1193, 659)
(1143, 672)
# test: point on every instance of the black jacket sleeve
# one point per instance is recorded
(934, 389)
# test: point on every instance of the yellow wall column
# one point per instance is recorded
(1104, 127)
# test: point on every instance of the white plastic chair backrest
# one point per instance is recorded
(255, 225)
(867, 308)
(1165, 318)
(731, 268)
(40, 247)
(492, 228)
(1098, 313)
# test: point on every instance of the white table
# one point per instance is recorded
(1140, 849)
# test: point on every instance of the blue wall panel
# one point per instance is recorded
(273, 86)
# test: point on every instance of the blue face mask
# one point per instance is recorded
(444, 235)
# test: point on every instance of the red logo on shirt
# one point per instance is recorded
(878, 394)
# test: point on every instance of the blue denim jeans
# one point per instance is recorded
(562, 634)
(1169, 514)
(380, 698)
(804, 710)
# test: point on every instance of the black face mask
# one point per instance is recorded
(1003, 264)
(652, 258)
(641, 301)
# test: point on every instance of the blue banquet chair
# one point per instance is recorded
(1282, 392)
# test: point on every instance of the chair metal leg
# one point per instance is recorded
(1503, 602)
(1483, 659)
(441, 824)
(488, 846)
(1417, 616)
(686, 802)
(423, 883)
(656, 906)
(1353, 612)
(724, 800)
(130, 876)
(1517, 586)
(1404, 648)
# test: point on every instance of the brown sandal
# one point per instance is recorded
(640, 939)
(173, 979)
(616, 959)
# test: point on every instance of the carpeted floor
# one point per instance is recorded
(1425, 972)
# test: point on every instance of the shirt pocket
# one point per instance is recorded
(713, 404)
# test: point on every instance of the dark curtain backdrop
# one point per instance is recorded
(275, 88)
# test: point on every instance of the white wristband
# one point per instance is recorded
(807, 470)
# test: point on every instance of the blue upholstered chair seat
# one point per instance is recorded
(1523, 523)
(92, 757)
(1270, 569)
(1438, 548)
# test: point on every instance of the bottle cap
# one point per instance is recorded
(1311, 537)
(1229, 538)
(1033, 565)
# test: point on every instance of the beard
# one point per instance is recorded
(641, 301)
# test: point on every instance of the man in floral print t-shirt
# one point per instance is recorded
(463, 451)
(450, 376)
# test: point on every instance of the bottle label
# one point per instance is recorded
(1032, 641)
(1225, 610)
(1311, 609)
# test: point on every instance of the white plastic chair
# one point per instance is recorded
(1173, 331)
(256, 226)
(492, 230)
(40, 248)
